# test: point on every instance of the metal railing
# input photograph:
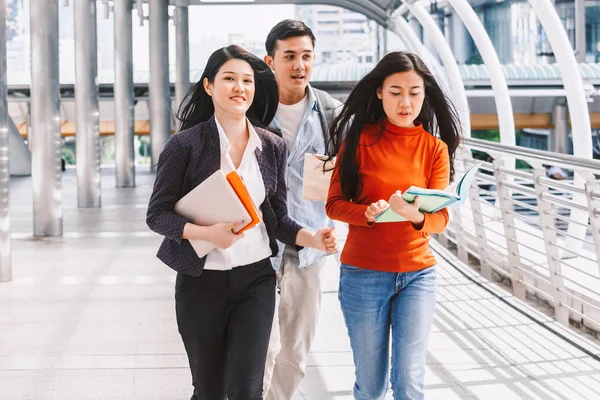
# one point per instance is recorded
(540, 235)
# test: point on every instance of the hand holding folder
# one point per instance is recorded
(220, 198)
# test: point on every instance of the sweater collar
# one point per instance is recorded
(399, 131)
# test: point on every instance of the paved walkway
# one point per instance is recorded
(91, 316)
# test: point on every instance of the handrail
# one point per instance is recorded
(526, 154)
(524, 219)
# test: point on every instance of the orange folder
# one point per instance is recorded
(241, 190)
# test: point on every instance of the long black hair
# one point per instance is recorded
(438, 116)
(197, 106)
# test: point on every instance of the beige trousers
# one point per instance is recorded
(294, 326)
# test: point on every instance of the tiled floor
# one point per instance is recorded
(91, 316)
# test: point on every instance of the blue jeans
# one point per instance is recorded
(372, 303)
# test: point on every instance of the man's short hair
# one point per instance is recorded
(286, 29)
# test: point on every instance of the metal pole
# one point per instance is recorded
(182, 52)
(124, 104)
(580, 30)
(160, 96)
(379, 43)
(554, 266)
(559, 136)
(385, 40)
(45, 120)
(5, 259)
(510, 233)
(86, 105)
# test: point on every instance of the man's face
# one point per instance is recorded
(292, 63)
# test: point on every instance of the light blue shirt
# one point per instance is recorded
(308, 213)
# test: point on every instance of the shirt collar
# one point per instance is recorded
(312, 98)
(253, 141)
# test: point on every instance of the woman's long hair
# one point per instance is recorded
(438, 116)
(197, 106)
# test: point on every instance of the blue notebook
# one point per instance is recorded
(433, 200)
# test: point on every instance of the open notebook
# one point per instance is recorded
(433, 200)
(220, 198)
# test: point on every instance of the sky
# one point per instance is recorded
(254, 21)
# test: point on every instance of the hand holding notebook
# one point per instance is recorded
(432, 200)
(220, 198)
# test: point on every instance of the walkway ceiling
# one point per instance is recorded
(377, 10)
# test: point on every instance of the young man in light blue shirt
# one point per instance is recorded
(303, 117)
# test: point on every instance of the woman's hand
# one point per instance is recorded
(409, 211)
(374, 209)
(325, 240)
(221, 235)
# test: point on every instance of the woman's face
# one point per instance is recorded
(232, 89)
(402, 95)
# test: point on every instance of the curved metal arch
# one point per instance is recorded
(400, 27)
(457, 86)
(571, 76)
(578, 111)
(490, 58)
(370, 9)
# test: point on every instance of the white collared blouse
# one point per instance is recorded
(254, 246)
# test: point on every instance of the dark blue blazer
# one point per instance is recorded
(191, 156)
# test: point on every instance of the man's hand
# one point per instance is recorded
(325, 240)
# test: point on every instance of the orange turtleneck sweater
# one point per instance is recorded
(401, 158)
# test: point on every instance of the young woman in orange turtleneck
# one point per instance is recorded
(396, 129)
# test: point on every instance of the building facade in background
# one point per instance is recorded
(343, 36)
(518, 36)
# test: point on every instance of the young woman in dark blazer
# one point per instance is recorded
(225, 300)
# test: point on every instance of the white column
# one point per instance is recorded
(45, 119)
(559, 136)
(123, 89)
(87, 116)
(580, 30)
(5, 249)
(159, 90)
(182, 52)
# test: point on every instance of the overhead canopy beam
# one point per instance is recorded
(367, 8)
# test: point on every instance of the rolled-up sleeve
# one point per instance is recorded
(170, 171)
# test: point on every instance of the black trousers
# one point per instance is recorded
(225, 319)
